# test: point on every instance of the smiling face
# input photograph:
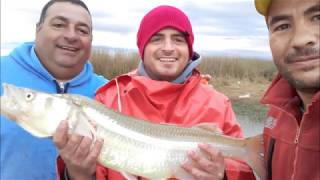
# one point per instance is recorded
(294, 30)
(63, 40)
(166, 55)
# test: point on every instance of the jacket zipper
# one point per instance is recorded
(269, 158)
(61, 87)
(296, 141)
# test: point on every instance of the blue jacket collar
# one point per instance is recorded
(25, 55)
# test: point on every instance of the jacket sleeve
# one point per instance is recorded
(60, 168)
(231, 127)
(235, 170)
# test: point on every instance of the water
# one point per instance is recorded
(250, 127)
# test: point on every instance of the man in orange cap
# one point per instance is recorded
(292, 128)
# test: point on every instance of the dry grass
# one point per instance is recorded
(113, 64)
(234, 77)
(238, 68)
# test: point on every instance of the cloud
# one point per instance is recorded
(219, 19)
(219, 25)
(112, 27)
(100, 14)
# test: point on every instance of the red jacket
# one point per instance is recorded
(185, 104)
(291, 138)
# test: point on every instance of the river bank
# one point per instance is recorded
(250, 127)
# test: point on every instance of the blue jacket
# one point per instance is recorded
(22, 155)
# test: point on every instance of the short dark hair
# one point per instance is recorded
(51, 2)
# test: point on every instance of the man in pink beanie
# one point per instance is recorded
(166, 88)
(160, 17)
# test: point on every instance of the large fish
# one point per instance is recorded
(131, 145)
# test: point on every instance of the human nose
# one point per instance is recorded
(70, 34)
(168, 45)
(305, 36)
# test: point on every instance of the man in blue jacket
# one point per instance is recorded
(57, 62)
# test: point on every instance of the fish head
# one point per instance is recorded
(37, 112)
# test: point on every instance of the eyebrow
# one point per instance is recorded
(179, 35)
(62, 18)
(59, 18)
(312, 9)
(276, 19)
(175, 35)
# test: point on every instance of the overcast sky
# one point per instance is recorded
(223, 27)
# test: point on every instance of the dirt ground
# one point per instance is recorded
(237, 89)
(245, 96)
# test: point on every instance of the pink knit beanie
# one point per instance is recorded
(162, 17)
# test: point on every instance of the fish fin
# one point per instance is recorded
(209, 127)
(128, 176)
(255, 159)
(81, 125)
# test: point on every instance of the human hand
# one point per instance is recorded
(206, 77)
(76, 151)
(208, 165)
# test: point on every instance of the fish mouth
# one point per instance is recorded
(9, 105)
(4, 101)
(9, 91)
(5, 94)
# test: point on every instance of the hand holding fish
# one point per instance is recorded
(209, 164)
(76, 151)
(204, 167)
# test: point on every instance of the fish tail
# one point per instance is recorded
(255, 150)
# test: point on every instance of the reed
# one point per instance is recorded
(119, 62)
(234, 76)
(112, 64)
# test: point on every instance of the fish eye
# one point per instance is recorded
(29, 96)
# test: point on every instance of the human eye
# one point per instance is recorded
(58, 24)
(179, 39)
(316, 18)
(155, 39)
(281, 27)
(84, 31)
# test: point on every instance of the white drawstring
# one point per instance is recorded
(119, 99)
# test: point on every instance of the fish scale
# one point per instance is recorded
(131, 145)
